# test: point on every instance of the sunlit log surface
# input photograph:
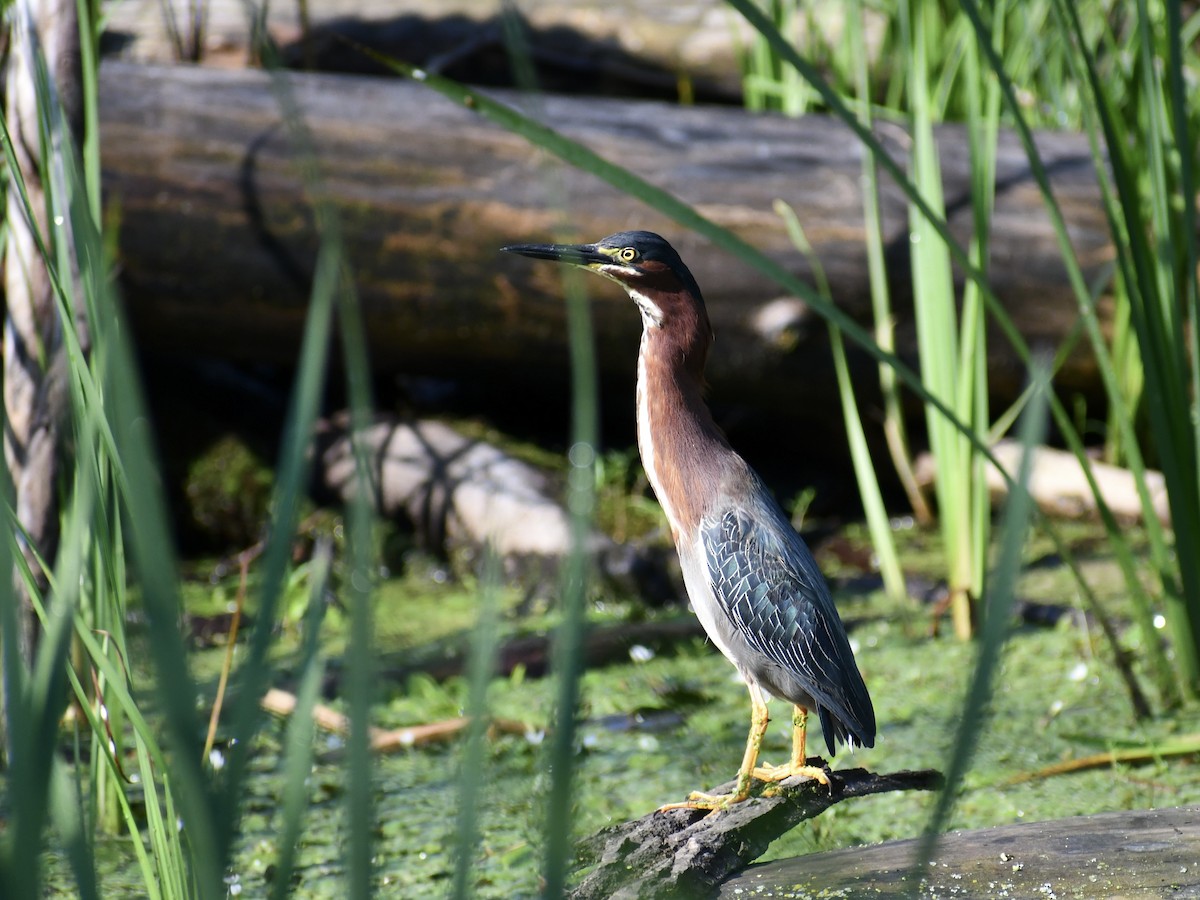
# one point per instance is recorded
(686, 853)
(647, 44)
(217, 241)
(462, 493)
(1128, 854)
(1060, 486)
(453, 489)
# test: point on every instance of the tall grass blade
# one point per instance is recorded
(72, 831)
(893, 422)
(1118, 540)
(105, 768)
(14, 871)
(1184, 128)
(332, 289)
(1127, 227)
(1162, 310)
(155, 562)
(1178, 35)
(46, 695)
(110, 425)
(983, 127)
(938, 338)
(291, 482)
(581, 500)
(360, 544)
(481, 665)
(997, 620)
(878, 522)
(292, 469)
(90, 31)
(298, 744)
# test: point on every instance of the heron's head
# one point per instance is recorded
(644, 264)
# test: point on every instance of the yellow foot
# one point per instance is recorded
(781, 773)
(712, 802)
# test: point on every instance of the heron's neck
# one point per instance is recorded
(682, 449)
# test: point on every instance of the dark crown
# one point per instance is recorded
(654, 247)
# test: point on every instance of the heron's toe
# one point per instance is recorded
(790, 770)
(712, 802)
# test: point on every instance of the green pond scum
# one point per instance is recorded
(666, 720)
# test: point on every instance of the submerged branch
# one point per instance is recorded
(1184, 745)
(283, 703)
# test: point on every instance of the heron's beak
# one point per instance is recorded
(575, 254)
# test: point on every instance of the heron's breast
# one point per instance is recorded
(705, 602)
(683, 453)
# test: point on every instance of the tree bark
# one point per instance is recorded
(217, 240)
(35, 386)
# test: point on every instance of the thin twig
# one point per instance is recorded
(1184, 745)
(283, 703)
(244, 560)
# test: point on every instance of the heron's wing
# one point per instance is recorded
(768, 585)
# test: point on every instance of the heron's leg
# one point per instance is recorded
(798, 765)
(759, 719)
(799, 735)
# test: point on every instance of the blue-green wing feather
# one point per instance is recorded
(768, 585)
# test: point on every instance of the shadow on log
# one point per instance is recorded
(687, 854)
(664, 48)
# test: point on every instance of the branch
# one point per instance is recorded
(282, 703)
(687, 853)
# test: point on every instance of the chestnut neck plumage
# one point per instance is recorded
(683, 451)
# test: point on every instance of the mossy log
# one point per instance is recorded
(218, 243)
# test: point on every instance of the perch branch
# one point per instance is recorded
(685, 853)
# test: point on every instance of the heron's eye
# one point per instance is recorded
(628, 254)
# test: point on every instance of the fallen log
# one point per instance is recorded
(666, 48)
(687, 853)
(217, 241)
(1060, 488)
(461, 493)
(453, 488)
(1130, 853)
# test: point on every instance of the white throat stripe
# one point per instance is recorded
(652, 314)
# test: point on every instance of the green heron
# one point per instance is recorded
(750, 577)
